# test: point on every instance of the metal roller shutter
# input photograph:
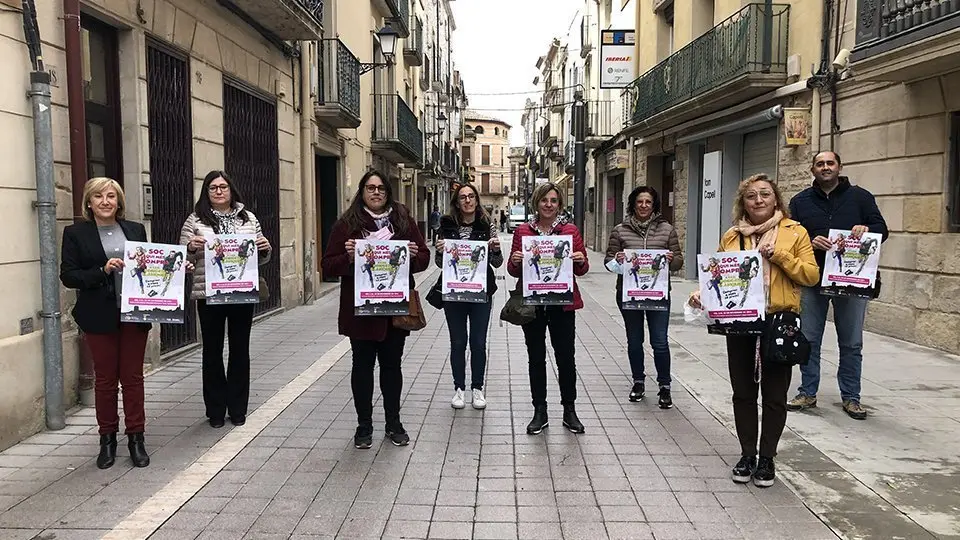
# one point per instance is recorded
(760, 153)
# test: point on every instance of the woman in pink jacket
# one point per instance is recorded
(548, 220)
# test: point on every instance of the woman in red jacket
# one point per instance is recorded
(560, 320)
(373, 213)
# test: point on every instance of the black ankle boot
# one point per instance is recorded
(539, 420)
(108, 451)
(570, 420)
(138, 452)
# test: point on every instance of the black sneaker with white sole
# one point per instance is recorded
(398, 436)
(665, 401)
(364, 437)
(743, 470)
(637, 392)
(765, 473)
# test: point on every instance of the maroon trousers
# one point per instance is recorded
(118, 358)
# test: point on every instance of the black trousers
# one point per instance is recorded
(389, 353)
(774, 384)
(562, 325)
(226, 392)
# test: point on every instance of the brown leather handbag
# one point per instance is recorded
(415, 320)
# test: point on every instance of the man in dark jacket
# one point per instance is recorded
(833, 203)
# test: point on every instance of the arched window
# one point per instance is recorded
(496, 131)
(467, 127)
(478, 130)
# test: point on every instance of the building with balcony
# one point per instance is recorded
(708, 105)
(154, 98)
(486, 158)
(897, 129)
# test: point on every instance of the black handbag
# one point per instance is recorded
(782, 341)
(515, 311)
(435, 296)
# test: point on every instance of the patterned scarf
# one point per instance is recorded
(227, 221)
(559, 222)
(380, 220)
(641, 227)
(761, 236)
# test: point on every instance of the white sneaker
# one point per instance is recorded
(457, 401)
(479, 402)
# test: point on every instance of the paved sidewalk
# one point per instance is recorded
(291, 471)
(895, 475)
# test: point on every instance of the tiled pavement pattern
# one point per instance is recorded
(638, 472)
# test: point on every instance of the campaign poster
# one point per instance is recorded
(153, 283)
(850, 267)
(547, 270)
(382, 278)
(646, 280)
(464, 271)
(731, 291)
(231, 269)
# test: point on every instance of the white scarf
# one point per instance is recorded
(382, 221)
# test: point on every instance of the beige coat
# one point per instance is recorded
(194, 227)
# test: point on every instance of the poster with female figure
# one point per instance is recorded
(231, 270)
(153, 283)
(464, 271)
(731, 291)
(381, 278)
(547, 270)
(850, 267)
(646, 280)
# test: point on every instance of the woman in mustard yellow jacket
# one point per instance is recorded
(763, 222)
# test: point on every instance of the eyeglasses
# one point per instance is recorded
(753, 195)
(468, 197)
(221, 187)
(375, 189)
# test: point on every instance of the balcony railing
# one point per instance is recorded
(400, 21)
(600, 121)
(883, 19)
(753, 40)
(338, 85)
(546, 138)
(413, 45)
(285, 19)
(587, 37)
(395, 132)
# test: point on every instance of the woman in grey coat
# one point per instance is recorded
(645, 228)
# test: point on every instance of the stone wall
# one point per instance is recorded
(894, 142)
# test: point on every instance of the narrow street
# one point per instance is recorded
(638, 472)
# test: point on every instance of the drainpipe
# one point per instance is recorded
(46, 206)
(307, 160)
(78, 159)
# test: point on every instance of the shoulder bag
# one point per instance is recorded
(415, 319)
(515, 311)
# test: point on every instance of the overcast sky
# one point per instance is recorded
(496, 46)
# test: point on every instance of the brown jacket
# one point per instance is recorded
(660, 235)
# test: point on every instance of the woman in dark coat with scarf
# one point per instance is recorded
(373, 213)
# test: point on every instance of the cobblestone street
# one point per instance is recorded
(292, 471)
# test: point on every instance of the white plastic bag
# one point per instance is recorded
(692, 315)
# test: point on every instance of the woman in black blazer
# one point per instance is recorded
(92, 262)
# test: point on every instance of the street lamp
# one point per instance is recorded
(388, 47)
(441, 125)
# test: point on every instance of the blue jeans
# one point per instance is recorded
(659, 323)
(457, 314)
(848, 315)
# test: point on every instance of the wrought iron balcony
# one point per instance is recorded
(546, 138)
(285, 19)
(601, 124)
(569, 156)
(396, 136)
(927, 32)
(413, 46)
(338, 85)
(587, 36)
(399, 17)
(742, 57)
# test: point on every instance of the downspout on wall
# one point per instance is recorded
(307, 168)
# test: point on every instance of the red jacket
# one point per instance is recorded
(568, 229)
(337, 262)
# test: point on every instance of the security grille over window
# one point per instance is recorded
(251, 158)
(171, 165)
